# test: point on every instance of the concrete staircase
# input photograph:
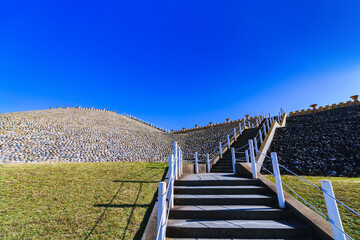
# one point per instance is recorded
(222, 205)
(224, 165)
(225, 206)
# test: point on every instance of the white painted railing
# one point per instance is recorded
(145, 122)
(166, 191)
(166, 194)
(224, 143)
(326, 189)
(250, 150)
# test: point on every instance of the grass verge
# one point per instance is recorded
(77, 200)
(347, 190)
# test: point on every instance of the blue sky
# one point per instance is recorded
(178, 63)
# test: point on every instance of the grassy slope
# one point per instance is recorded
(347, 190)
(76, 200)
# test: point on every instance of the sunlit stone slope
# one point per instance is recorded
(84, 135)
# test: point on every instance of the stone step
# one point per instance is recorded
(239, 199)
(240, 238)
(245, 189)
(226, 168)
(220, 165)
(221, 170)
(215, 179)
(185, 228)
(223, 162)
(228, 212)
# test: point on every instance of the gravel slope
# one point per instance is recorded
(323, 143)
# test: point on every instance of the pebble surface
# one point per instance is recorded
(323, 143)
(84, 135)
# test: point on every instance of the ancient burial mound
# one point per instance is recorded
(85, 135)
(321, 143)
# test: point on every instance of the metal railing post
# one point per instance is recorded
(235, 134)
(260, 136)
(176, 162)
(267, 124)
(228, 140)
(264, 127)
(279, 189)
(333, 210)
(240, 130)
(257, 122)
(171, 180)
(207, 163)
(233, 160)
(252, 159)
(179, 161)
(171, 170)
(161, 217)
(220, 150)
(247, 155)
(255, 145)
(196, 163)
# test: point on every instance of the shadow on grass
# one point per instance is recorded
(147, 213)
(103, 213)
(155, 167)
(129, 181)
(121, 205)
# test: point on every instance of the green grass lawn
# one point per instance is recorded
(347, 190)
(77, 200)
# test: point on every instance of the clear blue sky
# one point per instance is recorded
(178, 63)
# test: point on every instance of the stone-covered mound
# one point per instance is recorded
(78, 135)
(322, 143)
(206, 140)
(84, 135)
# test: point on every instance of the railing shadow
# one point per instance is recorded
(130, 181)
(121, 205)
(150, 206)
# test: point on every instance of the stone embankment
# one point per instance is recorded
(321, 143)
(86, 135)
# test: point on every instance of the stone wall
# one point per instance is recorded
(321, 143)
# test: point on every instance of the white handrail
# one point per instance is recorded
(330, 200)
(175, 170)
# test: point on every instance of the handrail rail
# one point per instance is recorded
(215, 152)
(319, 188)
(166, 197)
(334, 217)
(309, 204)
(343, 204)
(325, 193)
